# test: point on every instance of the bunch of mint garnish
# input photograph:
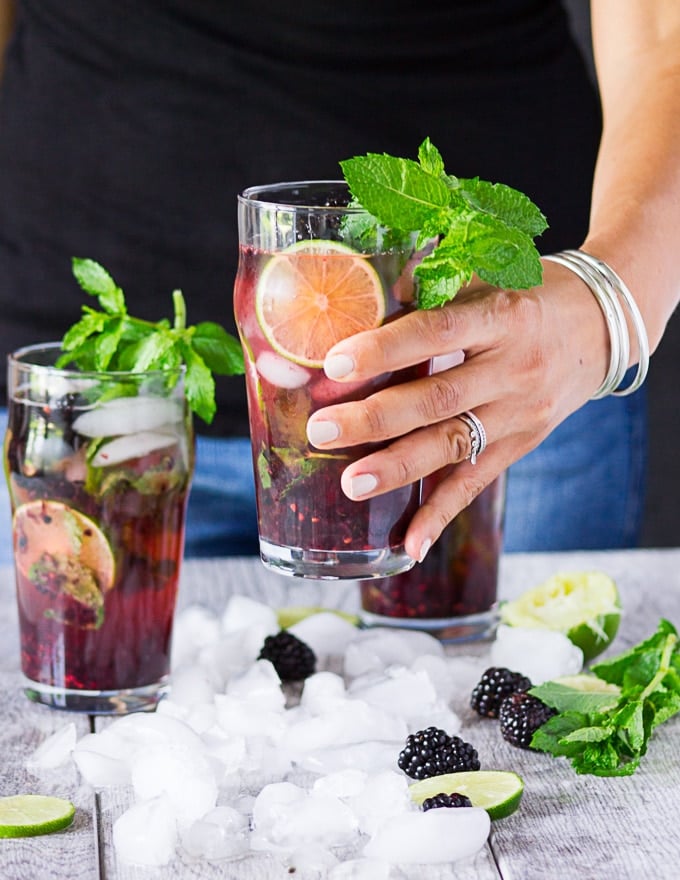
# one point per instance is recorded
(110, 339)
(607, 734)
(479, 228)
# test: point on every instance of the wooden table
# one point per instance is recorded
(568, 826)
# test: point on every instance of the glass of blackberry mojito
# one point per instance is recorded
(98, 466)
(313, 269)
(452, 593)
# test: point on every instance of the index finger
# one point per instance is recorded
(412, 338)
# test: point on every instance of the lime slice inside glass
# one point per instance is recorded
(584, 605)
(292, 614)
(499, 792)
(313, 294)
(26, 815)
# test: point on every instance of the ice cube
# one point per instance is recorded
(190, 686)
(439, 672)
(240, 717)
(146, 833)
(129, 415)
(398, 691)
(322, 691)
(368, 756)
(342, 783)
(438, 715)
(384, 796)
(352, 721)
(132, 446)
(194, 628)
(260, 685)
(540, 654)
(221, 834)
(435, 836)
(55, 750)
(280, 372)
(312, 858)
(228, 751)
(102, 759)
(298, 818)
(181, 773)
(242, 612)
(326, 633)
(373, 650)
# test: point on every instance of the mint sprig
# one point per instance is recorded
(109, 338)
(479, 227)
(607, 735)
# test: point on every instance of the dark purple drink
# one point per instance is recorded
(98, 469)
(453, 591)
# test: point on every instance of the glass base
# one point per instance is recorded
(118, 702)
(450, 630)
(335, 564)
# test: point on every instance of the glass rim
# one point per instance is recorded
(18, 359)
(249, 196)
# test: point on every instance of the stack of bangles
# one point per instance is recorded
(610, 291)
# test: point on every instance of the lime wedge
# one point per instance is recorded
(587, 683)
(497, 791)
(293, 614)
(583, 605)
(26, 815)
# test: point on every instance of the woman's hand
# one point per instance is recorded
(531, 359)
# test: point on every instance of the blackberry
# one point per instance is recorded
(292, 658)
(446, 800)
(432, 752)
(493, 687)
(520, 717)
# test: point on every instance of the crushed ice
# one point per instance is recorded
(232, 765)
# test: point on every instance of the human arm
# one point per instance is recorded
(532, 358)
(7, 16)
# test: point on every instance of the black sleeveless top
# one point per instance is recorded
(128, 128)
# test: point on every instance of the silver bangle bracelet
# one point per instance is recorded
(624, 293)
(619, 344)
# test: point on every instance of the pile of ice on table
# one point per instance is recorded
(227, 768)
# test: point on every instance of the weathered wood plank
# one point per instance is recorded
(67, 855)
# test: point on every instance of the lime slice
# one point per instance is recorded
(293, 614)
(584, 605)
(588, 684)
(314, 294)
(496, 791)
(26, 815)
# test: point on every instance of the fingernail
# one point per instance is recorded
(362, 485)
(338, 365)
(424, 548)
(321, 432)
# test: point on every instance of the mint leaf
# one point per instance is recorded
(569, 699)
(431, 159)
(199, 384)
(505, 203)
(220, 351)
(609, 739)
(479, 227)
(95, 280)
(396, 191)
(111, 339)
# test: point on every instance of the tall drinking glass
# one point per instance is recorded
(312, 271)
(452, 593)
(98, 466)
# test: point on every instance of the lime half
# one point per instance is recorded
(496, 791)
(26, 815)
(292, 614)
(584, 605)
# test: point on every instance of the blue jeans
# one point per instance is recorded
(582, 488)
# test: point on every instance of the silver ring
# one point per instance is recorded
(477, 434)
